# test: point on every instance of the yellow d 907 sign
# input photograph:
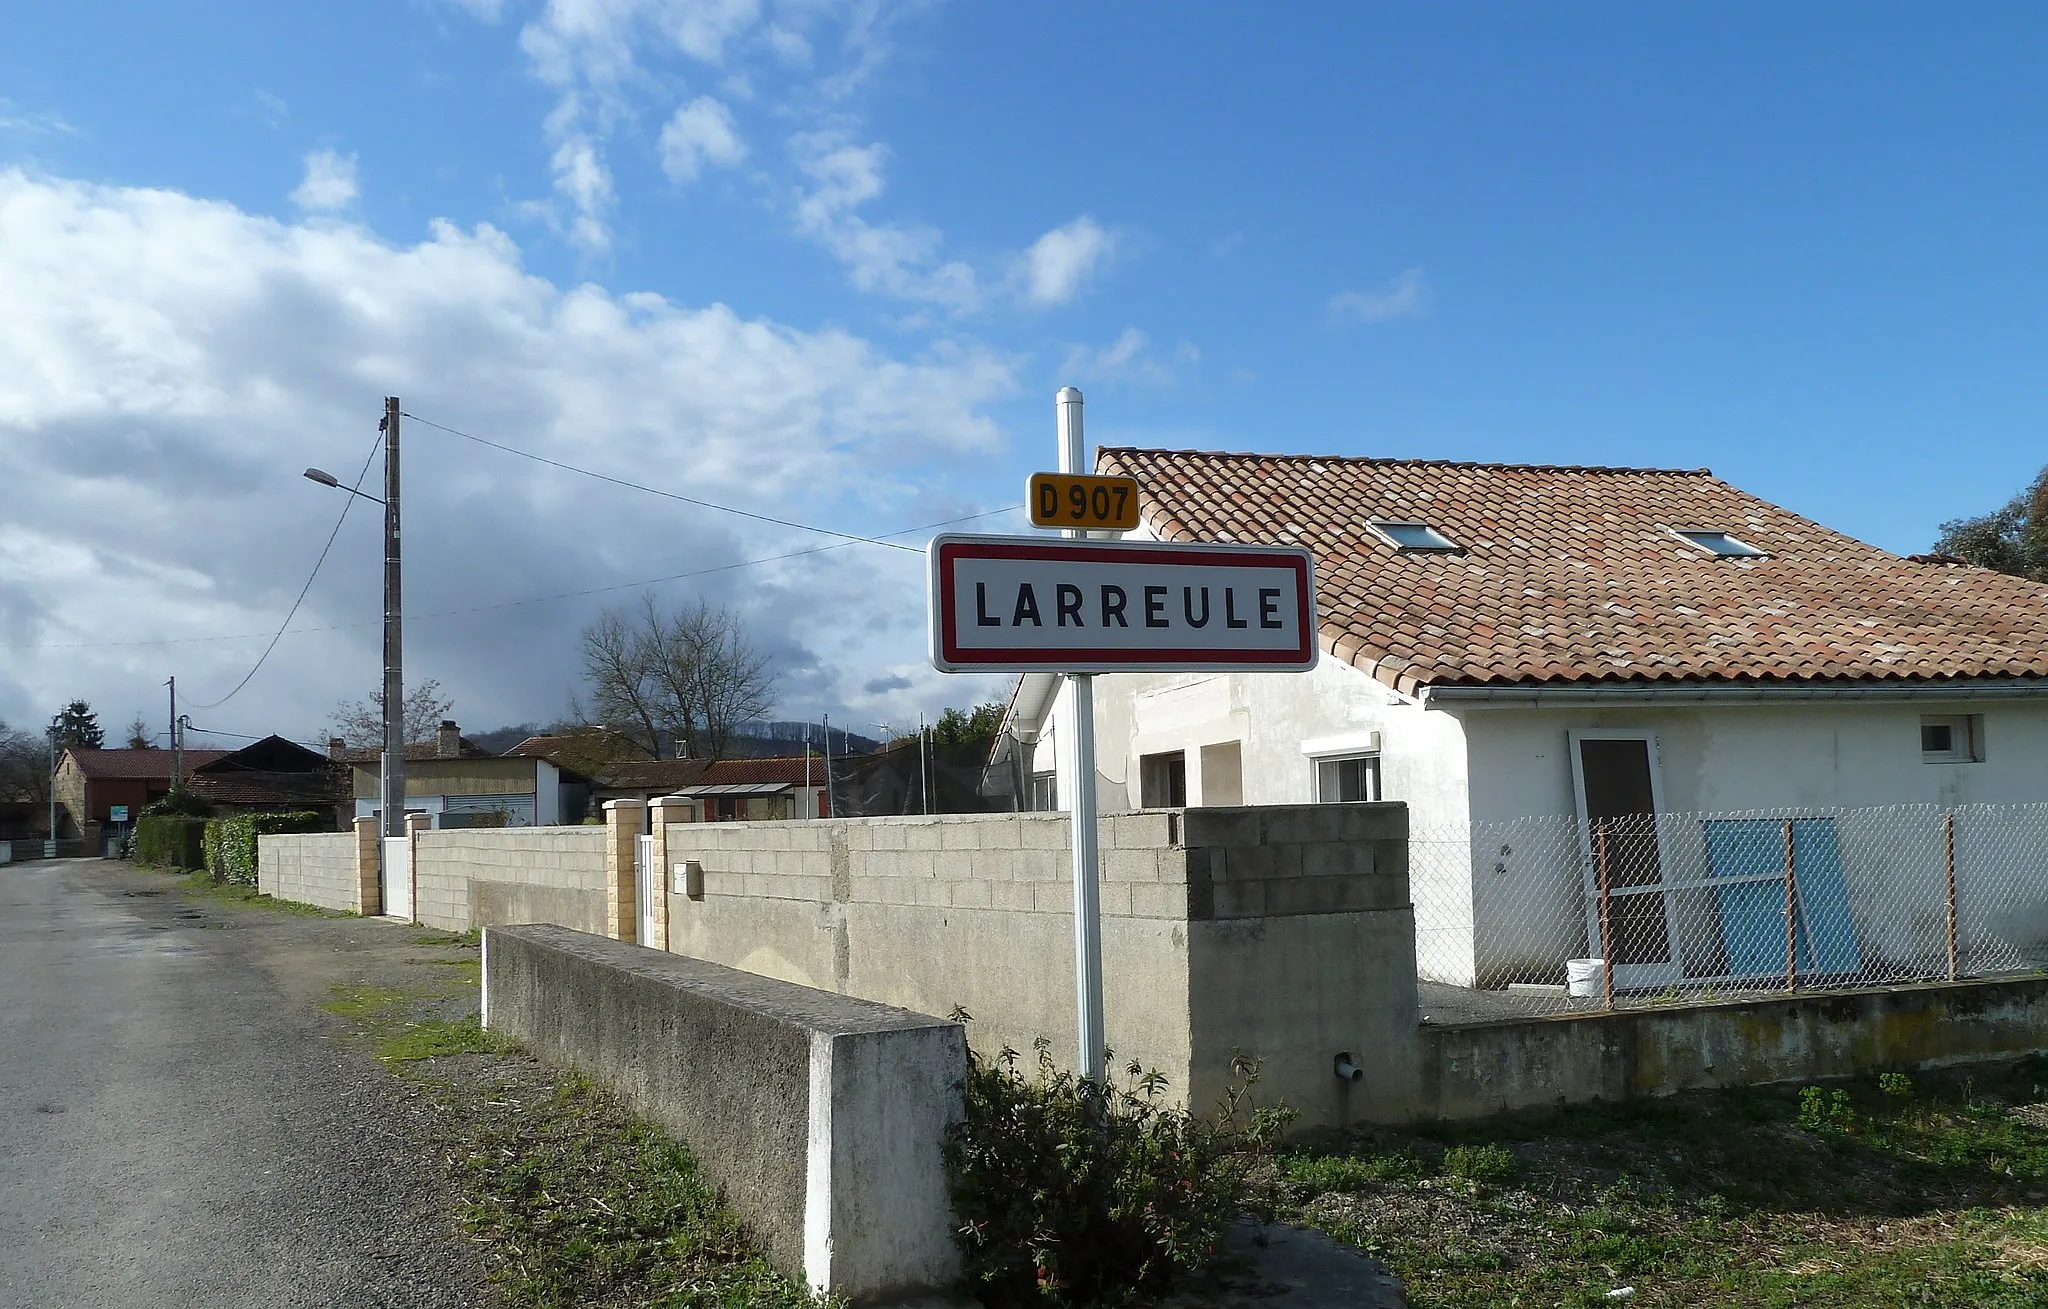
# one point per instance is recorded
(1103, 504)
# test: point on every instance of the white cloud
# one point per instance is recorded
(701, 132)
(1062, 261)
(895, 259)
(1129, 358)
(583, 180)
(330, 182)
(169, 364)
(1407, 296)
(16, 121)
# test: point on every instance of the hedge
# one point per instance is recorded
(230, 843)
(171, 839)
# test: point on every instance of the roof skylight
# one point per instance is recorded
(1720, 543)
(1412, 536)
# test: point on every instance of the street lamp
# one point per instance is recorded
(393, 788)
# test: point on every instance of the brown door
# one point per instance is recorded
(1621, 816)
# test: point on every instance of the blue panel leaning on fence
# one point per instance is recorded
(1750, 853)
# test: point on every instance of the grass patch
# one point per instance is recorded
(201, 886)
(434, 936)
(575, 1200)
(1928, 1191)
(588, 1205)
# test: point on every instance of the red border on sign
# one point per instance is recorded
(1011, 657)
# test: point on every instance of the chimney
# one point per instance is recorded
(336, 747)
(448, 741)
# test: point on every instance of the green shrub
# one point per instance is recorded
(1897, 1084)
(231, 845)
(1070, 1194)
(170, 840)
(178, 803)
(1479, 1163)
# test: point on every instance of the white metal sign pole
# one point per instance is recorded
(1079, 747)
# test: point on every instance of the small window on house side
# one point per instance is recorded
(1045, 792)
(1720, 543)
(1348, 778)
(1952, 738)
(1163, 780)
(1412, 536)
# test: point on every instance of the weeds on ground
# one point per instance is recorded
(584, 1202)
(576, 1201)
(201, 886)
(1884, 1191)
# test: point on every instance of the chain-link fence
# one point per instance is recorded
(1557, 915)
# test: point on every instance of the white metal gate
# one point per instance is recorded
(645, 877)
(397, 875)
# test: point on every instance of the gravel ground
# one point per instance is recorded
(181, 1125)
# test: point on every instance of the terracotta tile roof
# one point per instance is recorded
(671, 774)
(1573, 575)
(650, 774)
(585, 752)
(136, 765)
(252, 788)
(420, 752)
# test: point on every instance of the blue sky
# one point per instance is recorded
(1801, 246)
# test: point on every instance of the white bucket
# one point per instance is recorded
(1583, 977)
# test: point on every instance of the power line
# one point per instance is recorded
(294, 611)
(509, 604)
(849, 537)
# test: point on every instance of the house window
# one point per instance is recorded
(1719, 543)
(1412, 536)
(1348, 778)
(1045, 792)
(1163, 780)
(1952, 739)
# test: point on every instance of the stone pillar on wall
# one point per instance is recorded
(667, 809)
(369, 894)
(622, 820)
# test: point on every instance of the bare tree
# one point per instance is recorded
(24, 765)
(360, 723)
(685, 679)
(139, 735)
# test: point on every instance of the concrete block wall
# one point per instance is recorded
(317, 868)
(1284, 932)
(446, 864)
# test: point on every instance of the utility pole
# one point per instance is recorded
(50, 850)
(177, 740)
(924, 771)
(394, 654)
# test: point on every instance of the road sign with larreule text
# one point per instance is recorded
(1017, 604)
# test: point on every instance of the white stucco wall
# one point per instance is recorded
(1528, 885)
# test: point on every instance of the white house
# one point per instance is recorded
(1539, 659)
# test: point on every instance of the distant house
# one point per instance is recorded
(274, 775)
(724, 790)
(459, 784)
(1606, 645)
(98, 787)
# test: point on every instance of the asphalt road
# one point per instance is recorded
(178, 1127)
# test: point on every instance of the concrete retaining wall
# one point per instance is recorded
(822, 1118)
(1471, 1071)
(317, 868)
(1284, 933)
(472, 877)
